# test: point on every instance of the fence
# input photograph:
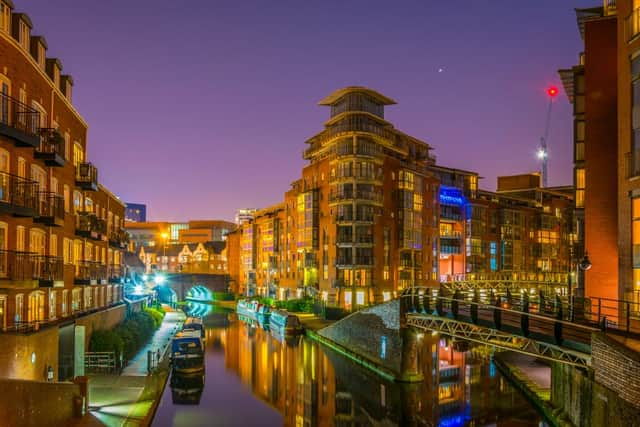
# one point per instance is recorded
(100, 361)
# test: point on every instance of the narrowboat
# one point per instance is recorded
(284, 323)
(187, 352)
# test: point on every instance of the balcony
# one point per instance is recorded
(451, 237)
(49, 271)
(356, 262)
(372, 197)
(450, 247)
(87, 177)
(50, 209)
(51, 148)
(118, 239)
(90, 226)
(19, 122)
(357, 177)
(116, 273)
(632, 164)
(90, 273)
(18, 196)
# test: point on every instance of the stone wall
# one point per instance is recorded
(37, 404)
(586, 403)
(101, 320)
(363, 332)
(616, 367)
(27, 356)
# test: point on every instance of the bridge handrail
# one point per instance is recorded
(602, 317)
(519, 312)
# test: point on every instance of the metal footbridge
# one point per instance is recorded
(546, 326)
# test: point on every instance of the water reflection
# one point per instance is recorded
(186, 389)
(310, 385)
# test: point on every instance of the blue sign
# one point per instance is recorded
(451, 196)
(383, 347)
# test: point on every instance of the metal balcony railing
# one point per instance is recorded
(18, 194)
(89, 225)
(50, 205)
(16, 265)
(116, 273)
(51, 147)
(19, 121)
(87, 176)
(119, 238)
(49, 268)
(370, 196)
(90, 271)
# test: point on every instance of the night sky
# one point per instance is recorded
(200, 107)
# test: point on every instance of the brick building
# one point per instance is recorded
(604, 88)
(373, 214)
(61, 232)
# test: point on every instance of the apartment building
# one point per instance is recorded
(373, 214)
(61, 232)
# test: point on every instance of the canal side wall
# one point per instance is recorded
(608, 394)
(101, 320)
(37, 404)
(372, 334)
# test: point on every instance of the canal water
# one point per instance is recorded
(253, 379)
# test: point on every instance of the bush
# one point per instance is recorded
(156, 315)
(223, 296)
(303, 305)
(129, 336)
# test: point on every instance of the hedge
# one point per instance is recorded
(223, 296)
(128, 337)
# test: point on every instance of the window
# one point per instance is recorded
(37, 241)
(3, 246)
(52, 304)
(19, 308)
(21, 238)
(635, 231)
(64, 302)
(75, 300)
(23, 34)
(23, 99)
(41, 56)
(53, 245)
(22, 167)
(67, 251)
(67, 201)
(5, 18)
(77, 251)
(40, 176)
(580, 185)
(77, 201)
(78, 154)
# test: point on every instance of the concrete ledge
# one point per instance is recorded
(538, 397)
(359, 359)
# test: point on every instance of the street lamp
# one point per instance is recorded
(583, 264)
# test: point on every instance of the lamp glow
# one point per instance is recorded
(552, 91)
(159, 279)
(541, 153)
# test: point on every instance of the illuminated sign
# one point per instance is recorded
(451, 196)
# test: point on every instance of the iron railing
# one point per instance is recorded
(50, 205)
(49, 268)
(16, 265)
(89, 225)
(88, 271)
(372, 196)
(17, 115)
(51, 142)
(87, 174)
(17, 191)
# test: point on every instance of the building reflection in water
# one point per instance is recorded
(311, 385)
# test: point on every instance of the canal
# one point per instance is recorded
(253, 379)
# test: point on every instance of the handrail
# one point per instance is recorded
(18, 115)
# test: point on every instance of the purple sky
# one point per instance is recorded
(200, 107)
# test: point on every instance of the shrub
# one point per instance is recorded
(223, 296)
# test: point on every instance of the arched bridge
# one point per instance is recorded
(549, 327)
(196, 286)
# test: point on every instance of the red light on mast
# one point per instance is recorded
(552, 91)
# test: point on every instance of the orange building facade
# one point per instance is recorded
(61, 232)
(373, 214)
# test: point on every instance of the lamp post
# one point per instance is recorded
(583, 264)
